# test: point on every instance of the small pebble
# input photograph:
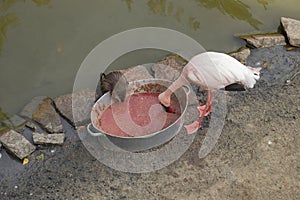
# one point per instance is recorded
(258, 63)
(25, 161)
(266, 65)
(52, 151)
(269, 142)
(16, 187)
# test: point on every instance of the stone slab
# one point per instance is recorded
(15, 122)
(3, 118)
(32, 106)
(40, 110)
(292, 29)
(47, 116)
(55, 138)
(17, 144)
(136, 73)
(3, 128)
(169, 68)
(241, 54)
(264, 40)
(76, 107)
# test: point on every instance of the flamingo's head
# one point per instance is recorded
(255, 72)
(252, 76)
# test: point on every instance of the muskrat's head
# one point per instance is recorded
(115, 83)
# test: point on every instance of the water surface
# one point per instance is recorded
(43, 42)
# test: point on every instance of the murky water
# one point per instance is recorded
(43, 42)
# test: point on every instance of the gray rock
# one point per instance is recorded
(292, 29)
(17, 144)
(56, 138)
(32, 106)
(15, 122)
(76, 107)
(241, 54)
(3, 128)
(40, 109)
(264, 40)
(169, 68)
(136, 73)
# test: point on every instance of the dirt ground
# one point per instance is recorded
(256, 157)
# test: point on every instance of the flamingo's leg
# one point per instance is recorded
(204, 111)
(192, 128)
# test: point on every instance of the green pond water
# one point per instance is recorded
(43, 42)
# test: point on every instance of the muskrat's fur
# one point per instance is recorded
(108, 83)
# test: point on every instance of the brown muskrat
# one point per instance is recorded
(115, 83)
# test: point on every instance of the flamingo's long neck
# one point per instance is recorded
(165, 97)
(177, 84)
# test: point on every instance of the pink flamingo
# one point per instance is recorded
(212, 71)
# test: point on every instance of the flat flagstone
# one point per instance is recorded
(32, 106)
(15, 122)
(55, 138)
(292, 29)
(264, 40)
(3, 128)
(40, 109)
(241, 54)
(136, 73)
(17, 144)
(76, 107)
(169, 68)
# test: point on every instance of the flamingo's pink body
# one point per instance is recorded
(211, 70)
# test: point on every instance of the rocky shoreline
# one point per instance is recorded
(46, 113)
(45, 122)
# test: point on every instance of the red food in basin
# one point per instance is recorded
(138, 106)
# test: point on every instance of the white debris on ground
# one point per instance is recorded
(269, 142)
